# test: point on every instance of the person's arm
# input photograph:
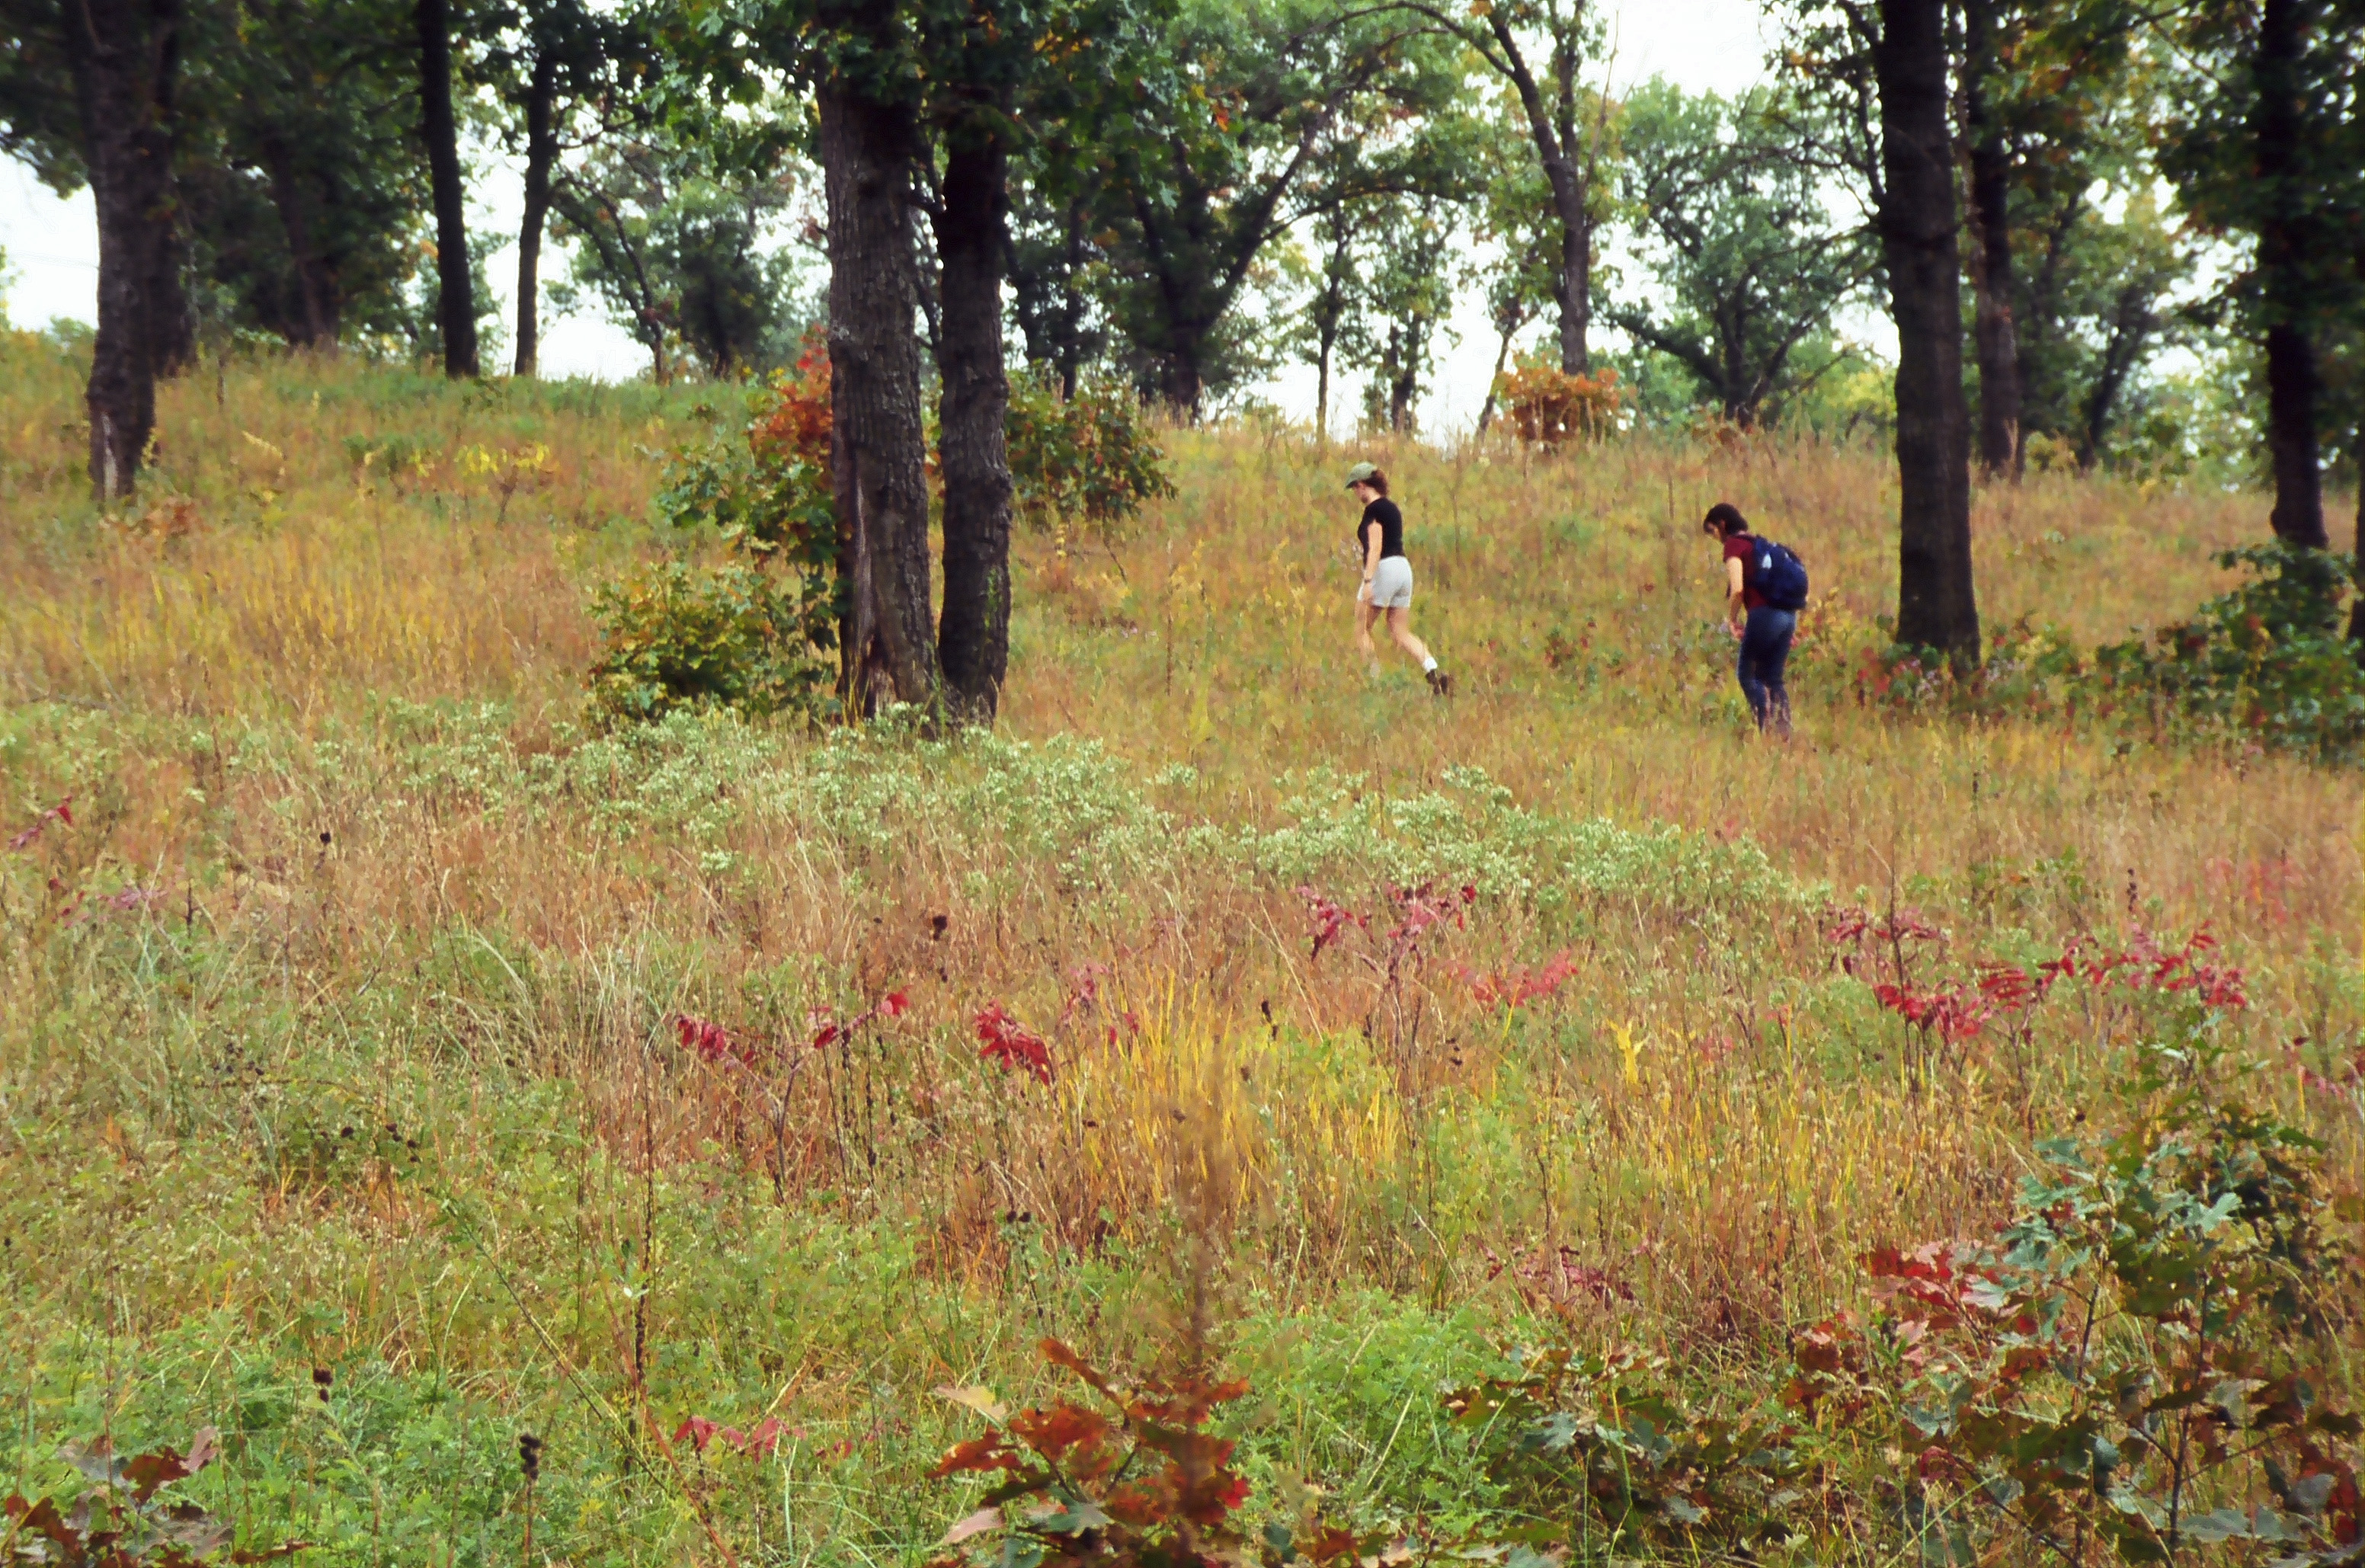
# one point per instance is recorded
(1372, 541)
(1736, 608)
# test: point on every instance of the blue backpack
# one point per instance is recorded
(1776, 572)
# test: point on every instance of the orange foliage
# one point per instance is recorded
(1552, 407)
(795, 421)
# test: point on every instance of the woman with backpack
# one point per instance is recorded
(1765, 588)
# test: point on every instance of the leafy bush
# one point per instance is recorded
(1550, 407)
(1089, 461)
(1139, 1480)
(2269, 660)
(678, 636)
(747, 635)
(2025, 670)
(1611, 1462)
(2136, 1364)
(122, 1519)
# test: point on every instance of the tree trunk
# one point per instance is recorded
(878, 451)
(972, 411)
(1403, 380)
(1185, 388)
(1573, 288)
(541, 154)
(1936, 607)
(2357, 566)
(456, 285)
(2285, 243)
(172, 326)
(318, 324)
(123, 53)
(1494, 381)
(1992, 282)
(2131, 324)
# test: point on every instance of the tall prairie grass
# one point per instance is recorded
(338, 1026)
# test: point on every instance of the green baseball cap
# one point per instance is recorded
(1362, 472)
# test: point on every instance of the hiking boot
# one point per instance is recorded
(1441, 683)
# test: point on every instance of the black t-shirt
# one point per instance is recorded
(1383, 512)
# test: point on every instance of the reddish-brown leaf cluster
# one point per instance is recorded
(710, 1042)
(1550, 407)
(62, 812)
(1137, 1484)
(1935, 1287)
(1328, 918)
(702, 1432)
(1956, 1011)
(1003, 1039)
(828, 1030)
(1895, 931)
(717, 1046)
(1559, 1279)
(1953, 1010)
(118, 1522)
(794, 424)
(1829, 1366)
(1518, 983)
(1420, 908)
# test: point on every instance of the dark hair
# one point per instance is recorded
(1376, 480)
(1724, 520)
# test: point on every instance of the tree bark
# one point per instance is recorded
(455, 283)
(973, 413)
(2131, 324)
(123, 53)
(2356, 567)
(173, 325)
(878, 452)
(2286, 240)
(319, 308)
(1494, 381)
(540, 155)
(1936, 607)
(1991, 280)
(1572, 287)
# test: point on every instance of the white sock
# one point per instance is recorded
(1429, 663)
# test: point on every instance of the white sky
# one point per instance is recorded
(51, 245)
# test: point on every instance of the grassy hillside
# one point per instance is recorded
(347, 1109)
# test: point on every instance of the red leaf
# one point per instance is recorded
(992, 1451)
(698, 1430)
(1059, 1354)
(1009, 1042)
(764, 1439)
(1053, 1432)
(1327, 919)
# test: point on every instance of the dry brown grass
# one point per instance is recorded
(371, 897)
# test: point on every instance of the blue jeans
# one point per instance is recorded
(1764, 649)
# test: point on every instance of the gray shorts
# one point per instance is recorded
(1391, 584)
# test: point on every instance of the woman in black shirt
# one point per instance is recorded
(1387, 576)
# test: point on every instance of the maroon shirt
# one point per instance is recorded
(1740, 547)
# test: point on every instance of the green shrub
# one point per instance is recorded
(2269, 661)
(750, 635)
(1089, 460)
(679, 636)
(2142, 1365)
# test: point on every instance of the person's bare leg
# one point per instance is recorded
(1400, 628)
(1366, 612)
